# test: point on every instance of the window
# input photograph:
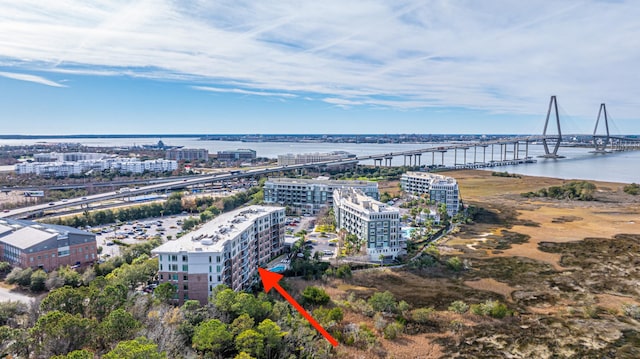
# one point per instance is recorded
(161, 266)
(185, 277)
(186, 287)
(161, 276)
(160, 256)
(185, 268)
(184, 258)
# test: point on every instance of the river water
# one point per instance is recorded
(577, 164)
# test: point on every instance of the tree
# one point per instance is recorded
(139, 348)
(211, 336)
(57, 332)
(106, 299)
(241, 323)
(272, 336)
(66, 299)
(38, 279)
(256, 308)
(165, 292)
(76, 354)
(315, 296)
(118, 325)
(243, 355)
(250, 341)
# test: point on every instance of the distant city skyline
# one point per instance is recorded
(334, 67)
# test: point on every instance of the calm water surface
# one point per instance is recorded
(578, 164)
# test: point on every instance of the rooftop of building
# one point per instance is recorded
(357, 199)
(25, 234)
(26, 237)
(323, 180)
(431, 176)
(213, 235)
(240, 150)
(16, 224)
(186, 149)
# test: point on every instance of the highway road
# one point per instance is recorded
(26, 212)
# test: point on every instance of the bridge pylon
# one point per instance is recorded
(600, 142)
(553, 104)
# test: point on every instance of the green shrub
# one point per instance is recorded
(455, 264)
(492, 308)
(632, 189)
(393, 330)
(459, 307)
(315, 296)
(421, 315)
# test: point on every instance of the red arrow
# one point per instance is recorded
(270, 280)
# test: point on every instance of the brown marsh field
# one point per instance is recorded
(567, 270)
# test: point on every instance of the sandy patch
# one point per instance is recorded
(492, 285)
(614, 302)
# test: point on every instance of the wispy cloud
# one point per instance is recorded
(31, 78)
(244, 92)
(499, 56)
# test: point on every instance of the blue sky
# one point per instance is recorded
(73, 67)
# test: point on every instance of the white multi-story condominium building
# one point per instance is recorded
(226, 250)
(299, 159)
(440, 188)
(187, 154)
(63, 169)
(67, 156)
(308, 196)
(374, 222)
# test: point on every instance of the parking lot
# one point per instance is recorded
(137, 232)
(326, 244)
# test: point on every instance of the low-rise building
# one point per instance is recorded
(187, 154)
(226, 250)
(299, 159)
(67, 156)
(440, 189)
(308, 196)
(372, 221)
(64, 169)
(30, 244)
(241, 154)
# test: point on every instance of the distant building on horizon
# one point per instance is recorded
(187, 154)
(241, 154)
(122, 165)
(68, 156)
(28, 244)
(299, 159)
